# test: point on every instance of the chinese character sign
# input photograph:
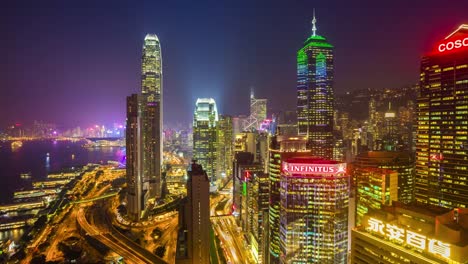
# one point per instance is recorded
(402, 236)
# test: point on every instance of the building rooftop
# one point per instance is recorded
(151, 37)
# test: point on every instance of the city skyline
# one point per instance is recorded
(375, 174)
(72, 93)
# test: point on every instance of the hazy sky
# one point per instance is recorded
(74, 62)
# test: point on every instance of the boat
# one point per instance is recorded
(16, 145)
(26, 175)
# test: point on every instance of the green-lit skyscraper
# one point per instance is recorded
(151, 89)
(315, 100)
(205, 138)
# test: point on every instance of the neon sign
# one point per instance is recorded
(304, 168)
(456, 44)
(410, 238)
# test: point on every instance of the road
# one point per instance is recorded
(224, 225)
(110, 237)
(102, 220)
(109, 241)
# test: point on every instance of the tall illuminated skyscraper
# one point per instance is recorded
(442, 132)
(281, 148)
(258, 113)
(315, 100)
(313, 211)
(152, 92)
(225, 146)
(205, 137)
(134, 149)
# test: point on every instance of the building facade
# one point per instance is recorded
(134, 150)
(281, 148)
(411, 234)
(442, 124)
(375, 187)
(152, 105)
(258, 113)
(225, 146)
(315, 99)
(400, 162)
(313, 211)
(205, 136)
(257, 219)
(193, 241)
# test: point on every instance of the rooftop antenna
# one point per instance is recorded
(314, 28)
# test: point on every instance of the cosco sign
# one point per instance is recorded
(453, 45)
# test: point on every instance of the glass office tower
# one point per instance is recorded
(442, 128)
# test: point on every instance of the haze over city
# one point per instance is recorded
(246, 132)
(73, 63)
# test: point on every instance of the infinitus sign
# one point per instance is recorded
(305, 168)
(453, 45)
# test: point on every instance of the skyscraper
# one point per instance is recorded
(193, 242)
(225, 146)
(375, 187)
(442, 124)
(134, 150)
(315, 100)
(401, 162)
(281, 148)
(313, 211)
(152, 93)
(205, 137)
(258, 113)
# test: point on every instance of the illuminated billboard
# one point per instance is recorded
(456, 41)
(402, 236)
(310, 168)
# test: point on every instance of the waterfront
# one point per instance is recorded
(40, 157)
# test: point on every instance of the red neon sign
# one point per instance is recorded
(452, 45)
(303, 168)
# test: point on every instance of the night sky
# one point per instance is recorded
(74, 62)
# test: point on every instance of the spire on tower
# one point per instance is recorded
(314, 28)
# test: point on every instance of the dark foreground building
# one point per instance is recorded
(193, 241)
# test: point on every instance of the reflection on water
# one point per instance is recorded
(14, 234)
(40, 157)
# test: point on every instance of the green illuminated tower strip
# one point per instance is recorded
(315, 100)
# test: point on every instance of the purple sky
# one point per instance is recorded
(74, 62)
